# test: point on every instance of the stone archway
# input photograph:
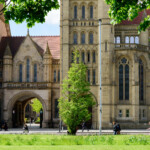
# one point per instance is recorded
(92, 123)
(22, 97)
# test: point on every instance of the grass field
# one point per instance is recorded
(64, 142)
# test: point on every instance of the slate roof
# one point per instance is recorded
(137, 20)
(39, 41)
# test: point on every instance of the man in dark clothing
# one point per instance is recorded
(115, 128)
(5, 126)
(25, 129)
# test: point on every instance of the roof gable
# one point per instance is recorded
(27, 47)
(40, 42)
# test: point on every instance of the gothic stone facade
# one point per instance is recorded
(125, 61)
(31, 68)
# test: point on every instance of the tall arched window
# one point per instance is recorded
(91, 38)
(58, 75)
(141, 80)
(131, 39)
(35, 72)
(137, 40)
(83, 12)
(127, 82)
(56, 109)
(88, 57)
(121, 82)
(83, 57)
(75, 38)
(117, 40)
(82, 38)
(20, 73)
(75, 12)
(28, 71)
(124, 79)
(94, 80)
(127, 39)
(94, 57)
(54, 75)
(91, 12)
(88, 75)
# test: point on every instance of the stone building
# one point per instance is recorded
(32, 66)
(125, 61)
(29, 68)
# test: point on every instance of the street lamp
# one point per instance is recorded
(100, 81)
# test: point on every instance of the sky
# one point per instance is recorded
(50, 27)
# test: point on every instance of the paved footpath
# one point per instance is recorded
(79, 132)
(34, 129)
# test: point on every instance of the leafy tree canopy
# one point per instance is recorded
(76, 96)
(36, 105)
(128, 9)
(31, 11)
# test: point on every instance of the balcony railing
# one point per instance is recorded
(25, 85)
(130, 46)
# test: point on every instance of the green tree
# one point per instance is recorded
(31, 11)
(76, 96)
(36, 105)
(128, 9)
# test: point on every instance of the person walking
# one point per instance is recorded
(115, 128)
(5, 126)
(118, 128)
(25, 129)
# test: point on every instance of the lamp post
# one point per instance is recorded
(100, 81)
(60, 122)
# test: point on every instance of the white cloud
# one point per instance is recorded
(53, 17)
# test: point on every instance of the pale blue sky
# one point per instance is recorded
(38, 29)
(50, 27)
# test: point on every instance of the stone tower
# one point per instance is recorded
(80, 30)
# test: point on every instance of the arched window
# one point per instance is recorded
(127, 39)
(56, 109)
(35, 73)
(54, 75)
(137, 40)
(121, 82)
(117, 40)
(83, 12)
(82, 38)
(88, 74)
(124, 79)
(88, 57)
(91, 12)
(131, 39)
(126, 82)
(94, 81)
(75, 38)
(94, 57)
(58, 75)
(20, 73)
(28, 70)
(91, 38)
(83, 57)
(75, 12)
(72, 57)
(141, 80)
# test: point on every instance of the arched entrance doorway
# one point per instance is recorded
(23, 112)
(17, 105)
(92, 122)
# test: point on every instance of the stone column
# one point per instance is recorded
(135, 91)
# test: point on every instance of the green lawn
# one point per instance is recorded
(64, 142)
